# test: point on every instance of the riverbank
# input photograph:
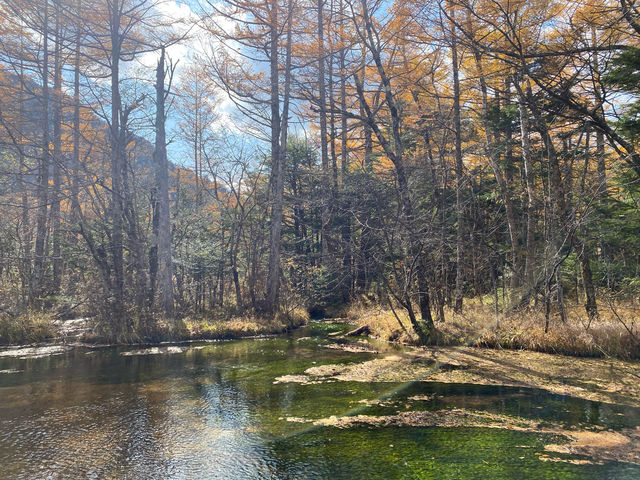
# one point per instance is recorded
(41, 328)
(27, 329)
(614, 334)
(235, 327)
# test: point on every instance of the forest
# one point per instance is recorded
(320, 239)
(168, 168)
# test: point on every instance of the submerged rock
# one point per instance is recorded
(621, 446)
(421, 398)
(351, 347)
(159, 351)
(295, 419)
(301, 379)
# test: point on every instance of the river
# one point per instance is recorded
(217, 410)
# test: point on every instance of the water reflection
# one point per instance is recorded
(216, 413)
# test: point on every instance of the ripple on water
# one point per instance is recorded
(214, 411)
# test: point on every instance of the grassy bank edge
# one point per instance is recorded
(206, 328)
(39, 328)
(29, 328)
(523, 330)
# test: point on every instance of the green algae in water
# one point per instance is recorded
(429, 453)
(217, 413)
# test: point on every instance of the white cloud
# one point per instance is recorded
(196, 45)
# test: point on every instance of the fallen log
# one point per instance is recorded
(363, 330)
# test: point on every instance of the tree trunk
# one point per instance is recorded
(425, 329)
(273, 279)
(57, 158)
(117, 161)
(346, 227)
(43, 172)
(459, 179)
(499, 176)
(324, 154)
(165, 265)
(279, 128)
(590, 305)
(234, 242)
(362, 267)
(25, 232)
(600, 157)
(75, 179)
(525, 130)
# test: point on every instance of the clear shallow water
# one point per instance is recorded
(215, 412)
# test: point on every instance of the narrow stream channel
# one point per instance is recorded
(214, 411)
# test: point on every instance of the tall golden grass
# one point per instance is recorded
(615, 334)
(243, 325)
(31, 327)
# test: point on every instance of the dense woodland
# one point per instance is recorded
(409, 154)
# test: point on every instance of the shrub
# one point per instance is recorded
(31, 327)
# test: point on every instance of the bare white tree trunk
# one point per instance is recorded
(165, 265)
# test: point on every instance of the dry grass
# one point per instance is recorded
(382, 322)
(243, 326)
(27, 328)
(521, 330)
(216, 325)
